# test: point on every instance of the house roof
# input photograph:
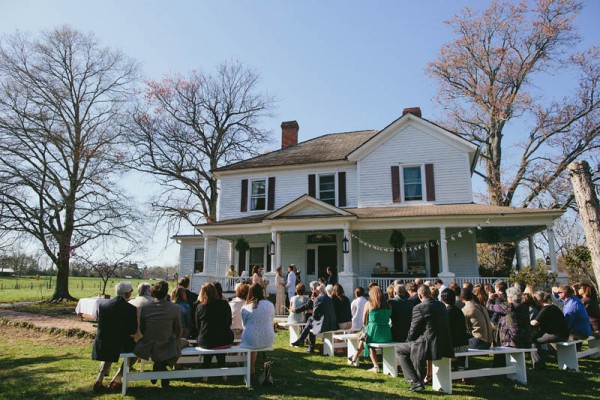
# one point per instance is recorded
(331, 147)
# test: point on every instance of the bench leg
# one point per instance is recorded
(352, 348)
(125, 376)
(594, 344)
(517, 360)
(390, 366)
(248, 367)
(442, 378)
(328, 349)
(294, 333)
(567, 357)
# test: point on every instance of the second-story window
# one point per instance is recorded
(327, 188)
(258, 195)
(413, 183)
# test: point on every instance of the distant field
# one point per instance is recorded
(31, 289)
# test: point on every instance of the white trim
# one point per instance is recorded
(277, 168)
(335, 186)
(249, 199)
(423, 185)
(304, 201)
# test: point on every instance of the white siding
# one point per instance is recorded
(412, 146)
(462, 255)
(289, 185)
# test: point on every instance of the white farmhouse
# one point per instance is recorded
(335, 201)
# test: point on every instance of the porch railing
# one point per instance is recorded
(364, 281)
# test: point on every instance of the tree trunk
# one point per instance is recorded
(61, 290)
(589, 209)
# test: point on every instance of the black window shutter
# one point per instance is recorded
(341, 189)
(430, 182)
(396, 184)
(271, 199)
(244, 199)
(312, 191)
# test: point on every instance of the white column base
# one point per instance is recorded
(447, 277)
(270, 276)
(348, 281)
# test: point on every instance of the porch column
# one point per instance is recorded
(518, 256)
(205, 259)
(348, 255)
(445, 275)
(532, 259)
(551, 247)
(274, 256)
(277, 251)
(404, 260)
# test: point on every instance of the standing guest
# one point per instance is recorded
(589, 298)
(411, 288)
(257, 275)
(577, 318)
(341, 304)
(178, 297)
(458, 327)
(477, 318)
(231, 273)
(280, 292)
(401, 313)
(143, 298)
(330, 279)
(117, 323)
(236, 304)
(499, 296)
(357, 308)
(377, 327)
(322, 319)
(290, 284)
(297, 302)
(428, 339)
(213, 319)
(160, 323)
(257, 316)
(551, 327)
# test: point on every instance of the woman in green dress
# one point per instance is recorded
(377, 327)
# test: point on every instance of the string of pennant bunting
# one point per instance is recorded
(453, 237)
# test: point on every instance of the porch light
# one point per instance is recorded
(271, 248)
(345, 245)
(547, 260)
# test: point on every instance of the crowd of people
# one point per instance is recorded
(429, 319)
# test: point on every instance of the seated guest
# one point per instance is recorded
(236, 304)
(551, 327)
(499, 296)
(477, 318)
(297, 302)
(341, 305)
(257, 316)
(528, 301)
(178, 297)
(307, 309)
(117, 323)
(456, 289)
(577, 318)
(322, 319)
(411, 288)
(143, 298)
(589, 298)
(428, 339)
(213, 319)
(401, 313)
(357, 308)
(160, 323)
(377, 326)
(192, 299)
(458, 327)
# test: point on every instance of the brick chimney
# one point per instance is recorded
(289, 134)
(412, 110)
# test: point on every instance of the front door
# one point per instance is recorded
(327, 257)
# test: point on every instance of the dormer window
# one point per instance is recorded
(258, 195)
(327, 188)
(412, 183)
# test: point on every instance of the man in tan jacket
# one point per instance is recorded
(478, 322)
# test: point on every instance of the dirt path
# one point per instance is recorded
(45, 321)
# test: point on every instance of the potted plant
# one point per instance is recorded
(397, 239)
(242, 245)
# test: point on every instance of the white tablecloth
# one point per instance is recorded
(90, 306)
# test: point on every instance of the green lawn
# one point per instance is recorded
(31, 289)
(36, 366)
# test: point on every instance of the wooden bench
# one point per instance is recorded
(515, 367)
(568, 355)
(192, 352)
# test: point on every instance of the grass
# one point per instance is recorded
(31, 289)
(40, 366)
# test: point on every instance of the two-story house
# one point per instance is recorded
(337, 199)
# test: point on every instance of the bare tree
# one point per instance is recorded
(62, 102)
(106, 267)
(185, 127)
(487, 81)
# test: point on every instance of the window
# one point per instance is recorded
(257, 256)
(416, 259)
(311, 261)
(198, 260)
(413, 183)
(327, 188)
(258, 195)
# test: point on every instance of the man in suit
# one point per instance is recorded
(322, 320)
(117, 323)
(428, 339)
(401, 314)
(411, 288)
(160, 324)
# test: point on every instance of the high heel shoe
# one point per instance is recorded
(354, 360)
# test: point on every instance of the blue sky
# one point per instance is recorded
(334, 65)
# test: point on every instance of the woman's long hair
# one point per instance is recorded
(208, 294)
(255, 294)
(376, 298)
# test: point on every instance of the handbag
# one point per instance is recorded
(266, 379)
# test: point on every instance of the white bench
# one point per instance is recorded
(195, 352)
(515, 367)
(351, 340)
(295, 329)
(329, 344)
(568, 355)
(388, 352)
